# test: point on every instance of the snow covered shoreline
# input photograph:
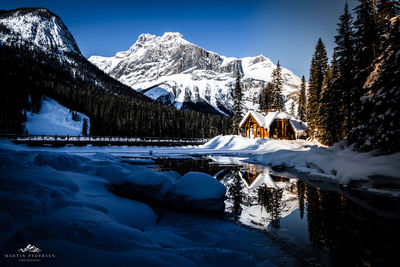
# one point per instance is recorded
(334, 164)
(61, 203)
(61, 200)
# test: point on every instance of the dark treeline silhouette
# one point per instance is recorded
(27, 73)
(357, 96)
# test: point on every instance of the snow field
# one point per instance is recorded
(54, 119)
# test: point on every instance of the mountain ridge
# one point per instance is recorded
(183, 72)
(39, 57)
(39, 26)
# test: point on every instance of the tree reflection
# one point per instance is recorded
(236, 192)
(301, 190)
(351, 233)
(270, 198)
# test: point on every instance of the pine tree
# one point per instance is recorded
(379, 126)
(386, 10)
(345, 57)
(329, 117)
(237, 105)
(319, 64)
(277, 83)
(85, 127)
(301, 110)
(365, 35)
(365, 50)
(292, 109)
(267, 97)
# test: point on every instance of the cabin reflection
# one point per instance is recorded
(259, 197)
(256, 176)
(250, 173)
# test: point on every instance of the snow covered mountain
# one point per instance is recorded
(42, 31)
(38, 27)
(174, 71)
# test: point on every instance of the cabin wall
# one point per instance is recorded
(282, 129)
(279, 129)
(251, 129)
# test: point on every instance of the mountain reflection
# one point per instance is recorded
(257, 197)
(351, 233)
(355, 228)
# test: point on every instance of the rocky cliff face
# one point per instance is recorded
(174, 71)
(38, 27)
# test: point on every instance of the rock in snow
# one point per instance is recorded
(174, 71)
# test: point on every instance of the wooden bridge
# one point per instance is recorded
(58, 140)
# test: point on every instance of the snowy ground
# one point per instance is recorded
(61, 203)
(61, 200)
(341, 165)
(54, 119)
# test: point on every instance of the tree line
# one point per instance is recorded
(28, 73)
(356, 96)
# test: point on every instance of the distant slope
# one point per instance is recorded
(55, 119)
(190, 75)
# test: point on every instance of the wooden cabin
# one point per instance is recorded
(278, 125)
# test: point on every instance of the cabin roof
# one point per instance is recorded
(256, 115)
(265, 121)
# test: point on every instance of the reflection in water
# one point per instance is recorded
(235, 190)
(250, 172)
(301, 189)
(350, 227)
(270, 199)
(352, 234)
(259, 199)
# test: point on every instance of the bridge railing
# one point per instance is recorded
(94, 139)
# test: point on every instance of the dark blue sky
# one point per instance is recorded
(281, 29)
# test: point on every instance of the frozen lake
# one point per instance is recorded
(336, 227)
(141, 204)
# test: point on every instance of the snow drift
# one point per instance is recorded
(55, 119)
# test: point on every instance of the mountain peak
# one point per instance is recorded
(36, 26)
(145, 37)
(174, 71)
(172, 35)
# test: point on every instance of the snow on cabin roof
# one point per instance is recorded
(256, 115)
(298, 125)
(265, 121)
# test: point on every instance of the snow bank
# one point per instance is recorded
(55, 119)
(234, 143)
(201, 191)
(132, 181)
(341, 165)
